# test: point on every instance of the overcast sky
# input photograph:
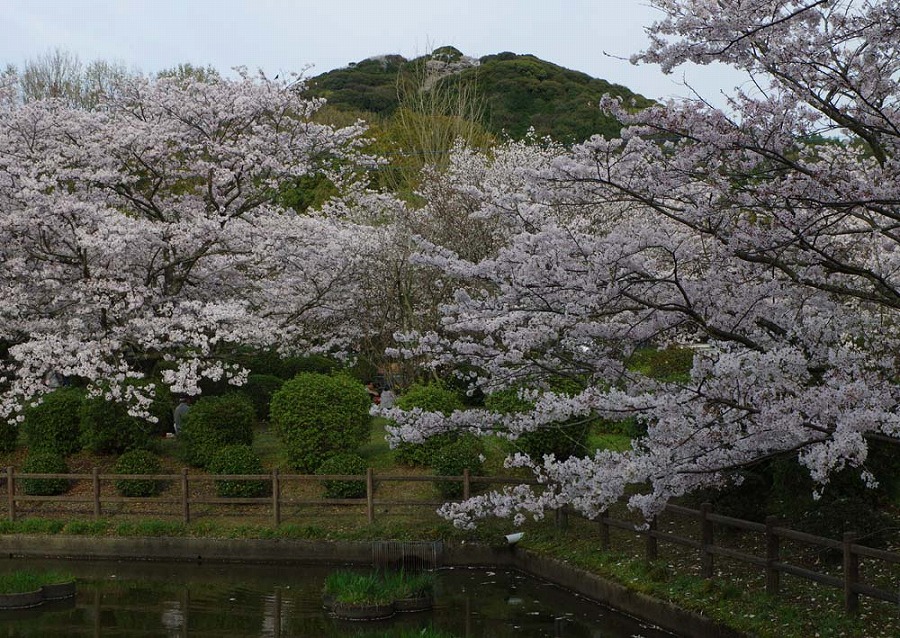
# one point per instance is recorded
(280, 36)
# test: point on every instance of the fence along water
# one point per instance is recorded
(773, 562)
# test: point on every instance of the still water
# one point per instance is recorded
(219, 601)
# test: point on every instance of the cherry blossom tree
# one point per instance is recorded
(767, 232)
(148, 230)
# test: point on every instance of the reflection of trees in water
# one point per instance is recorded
(226, 601)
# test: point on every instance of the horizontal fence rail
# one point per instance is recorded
(772, 533)
(275, 499)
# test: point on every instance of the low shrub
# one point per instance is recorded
(52, 426)
(45, 463)
(347, 463)
(317, 416)
(238, 459)
(107, 428)
(259, 389)
(213, 423)
(138, 462)
(467, 452)
(433, 397)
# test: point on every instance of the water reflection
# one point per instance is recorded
(220, 601)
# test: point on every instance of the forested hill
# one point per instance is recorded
(511, 92)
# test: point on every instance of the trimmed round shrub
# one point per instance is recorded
(107, 428)
(347, 463)
(316, 416)
(138, 462)
(53, 424)
(45, 463)
(238, 459)
(259, 389)
(562, 440)
(213, 423)
(9, 435)
(453, 458)
(430, 398)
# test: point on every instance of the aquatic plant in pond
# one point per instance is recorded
(26, 580)
(377, 594)
(351, 588)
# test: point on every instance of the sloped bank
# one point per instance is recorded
(307, 552)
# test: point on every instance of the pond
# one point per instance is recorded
(218, 601)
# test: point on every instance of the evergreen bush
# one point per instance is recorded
(53, 425)
(346, 463)
(466, 452)
(317, 416)
(238, 459)
(433, 397)
(107, 428)
(45, 463)
(213, 423)
(138, 462)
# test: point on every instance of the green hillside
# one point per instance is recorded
(515, 92)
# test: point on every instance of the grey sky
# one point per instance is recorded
(280, 36)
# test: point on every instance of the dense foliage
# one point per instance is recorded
(519, 92)
(318, 415)
(138, 462)
(106, 427)
(464, 453)
(53, 424)
(45, 463)
(9, 435)
(238, 459)
(432, 397)
(347, 463)
(213, 423)
(259, 389)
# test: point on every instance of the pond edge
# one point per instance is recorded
(319, 552)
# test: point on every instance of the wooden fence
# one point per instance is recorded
(773, 534)
(275, 500)
(773, 562)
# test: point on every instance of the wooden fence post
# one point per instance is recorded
(706, 540)
(95, 483)
(370, 495)
(604, 533)
(773, 555)
(851, 574)
(467, 488)
(276, 497)
(185, 496)
(11, 491)
(651, 545)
